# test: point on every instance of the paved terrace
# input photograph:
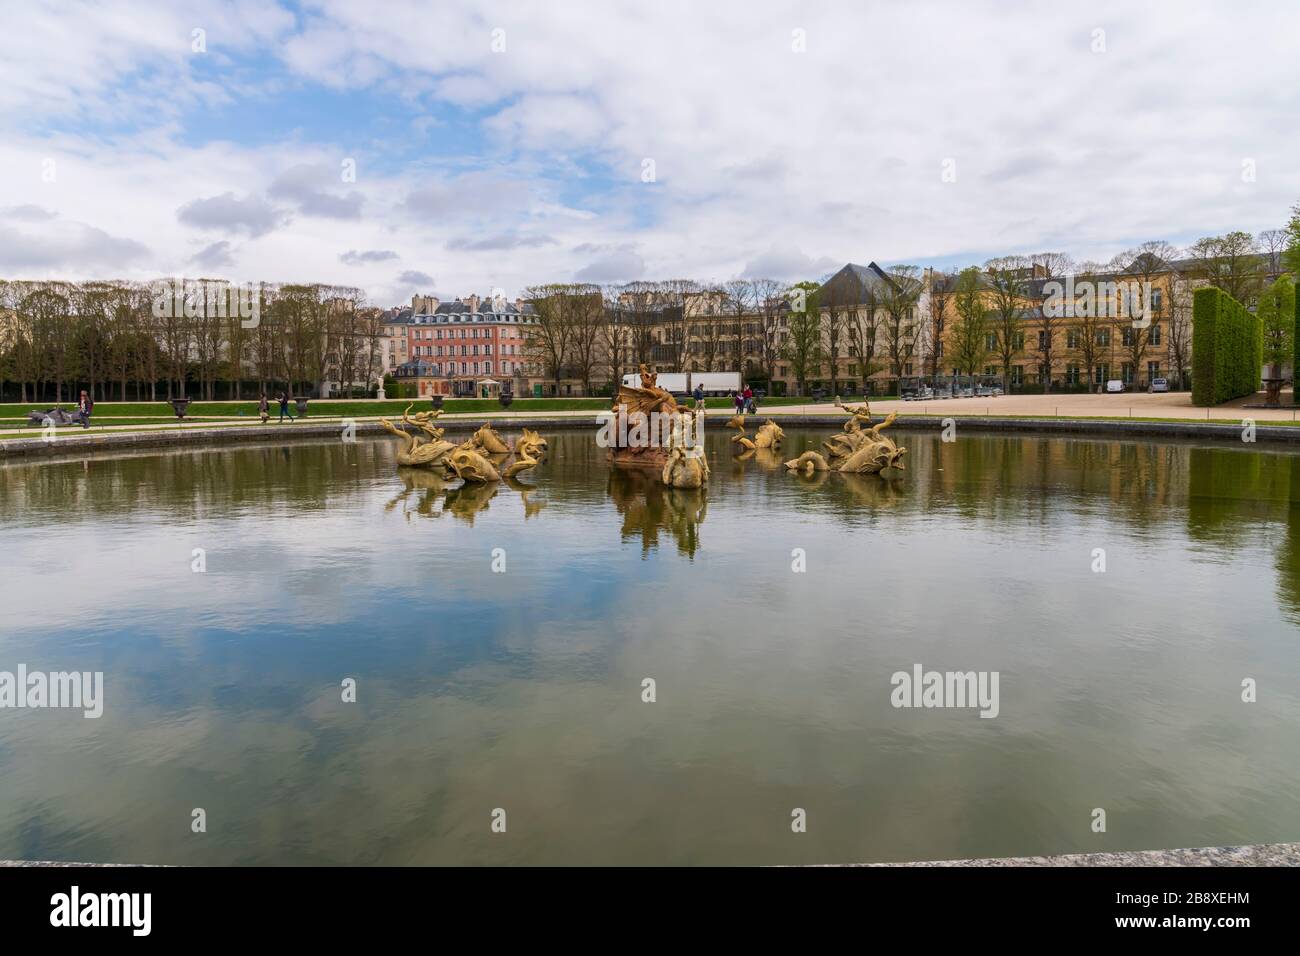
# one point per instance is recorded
(1171, 406)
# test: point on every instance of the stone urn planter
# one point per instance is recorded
(302, 407)
(436, 402)
(179, 405)
(505, 399)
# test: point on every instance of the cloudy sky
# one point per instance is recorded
(447, 147)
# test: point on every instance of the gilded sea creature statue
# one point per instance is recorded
(524, 459)
(807, 463)
(415, 451)
(769, 435)
(470, 466)
(530, 445)
(645, 408)
(738, 422)
(860, 449)
(480, 459)
(687, 466)
(490, 442)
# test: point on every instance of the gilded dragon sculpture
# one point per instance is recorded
(860, 449)
(480, 459)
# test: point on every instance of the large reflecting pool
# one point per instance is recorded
(522, 690)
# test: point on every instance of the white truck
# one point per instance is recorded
(683, 383)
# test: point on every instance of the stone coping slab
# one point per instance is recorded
(1265, 854)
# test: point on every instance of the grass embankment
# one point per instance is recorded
(132, 413)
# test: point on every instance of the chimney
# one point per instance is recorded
(472, 301)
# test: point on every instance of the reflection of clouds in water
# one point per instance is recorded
(522, 689)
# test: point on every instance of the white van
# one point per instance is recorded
(1114, 385)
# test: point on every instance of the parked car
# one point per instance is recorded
(1114, 385)
(1158, 385)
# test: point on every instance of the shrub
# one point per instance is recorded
(1227, 348)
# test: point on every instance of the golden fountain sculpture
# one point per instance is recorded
(679, 460)
(475, 460)
(419, 452)
(860, 449)
(769, 434)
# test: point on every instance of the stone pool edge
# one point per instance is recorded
(1262, 854)
(231, 434)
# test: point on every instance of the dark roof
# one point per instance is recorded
(851, 283)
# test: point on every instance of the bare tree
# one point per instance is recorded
(865, 340)
(586, 320)
(802, 345)
(1231, 262)
(1180, 329)
(1008, 281)
(768, 297)
(898, 298)
(1272, 243)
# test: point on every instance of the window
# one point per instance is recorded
(1044, 340)
(1017, 375)
(1018, 341)
(1126, 372)
(1128, 336)
(1072, 339)
(1103, 337)
(1072, 375)
(991, 342)
(1155, 335)
(1153, 370)
(1101, 374)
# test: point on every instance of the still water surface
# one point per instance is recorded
(522, 690)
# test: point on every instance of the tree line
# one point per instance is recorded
(178, 338)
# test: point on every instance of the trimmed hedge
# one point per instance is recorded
(1227, 348)
(1295, 349)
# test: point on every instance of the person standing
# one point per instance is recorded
(749, 400)
(699, 395)
(264, 408)
(284, 407)
(84, 408)
(739, 401)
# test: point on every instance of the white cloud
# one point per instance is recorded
(766, 160)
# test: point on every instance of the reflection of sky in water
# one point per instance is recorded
(522, 690)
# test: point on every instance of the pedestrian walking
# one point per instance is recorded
(699, 396)
(739, 401)
(264, 408)
(284, 407)
(749, 400)
(84, 408)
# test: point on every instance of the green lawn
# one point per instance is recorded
(127, 412)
